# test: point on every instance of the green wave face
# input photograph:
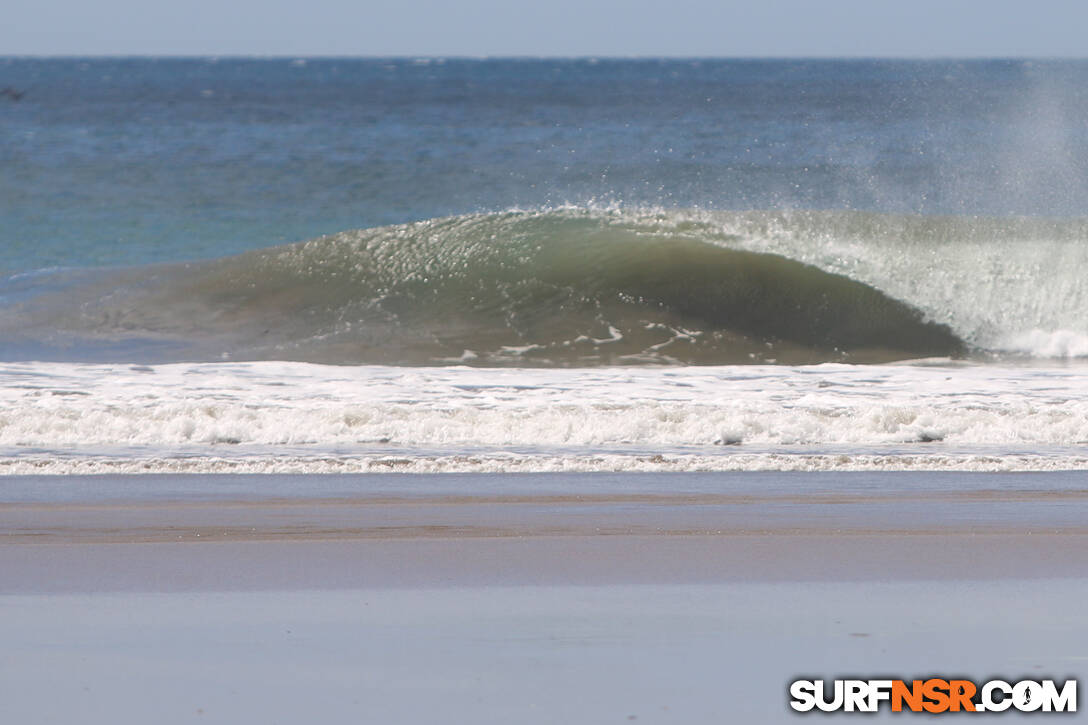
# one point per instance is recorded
(568, 287)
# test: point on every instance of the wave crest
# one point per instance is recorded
(561, 287)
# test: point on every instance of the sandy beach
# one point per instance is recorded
(658, 598)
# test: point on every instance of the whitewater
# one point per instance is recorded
(299, 417)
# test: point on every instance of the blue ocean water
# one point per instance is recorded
(184, 239)
(131, 161)
(941, 194)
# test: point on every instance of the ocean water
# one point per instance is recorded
(321, 265)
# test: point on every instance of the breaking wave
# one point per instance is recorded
(578, 286)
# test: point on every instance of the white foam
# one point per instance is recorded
(347, 464)
(272, 416)
(1047, 343)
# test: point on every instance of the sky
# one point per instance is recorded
(686, 28)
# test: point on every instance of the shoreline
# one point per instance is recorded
(339, 463)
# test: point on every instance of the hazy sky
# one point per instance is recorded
(548, 27)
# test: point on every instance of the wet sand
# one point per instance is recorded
(669, 599)
(233, 546)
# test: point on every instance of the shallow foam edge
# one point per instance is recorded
(523, 463)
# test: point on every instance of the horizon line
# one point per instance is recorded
(526, 57)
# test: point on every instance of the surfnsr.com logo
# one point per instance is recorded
(934, 695)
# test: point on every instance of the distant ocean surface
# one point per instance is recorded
(504, 265)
